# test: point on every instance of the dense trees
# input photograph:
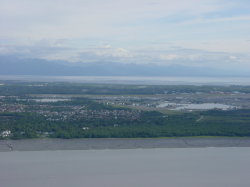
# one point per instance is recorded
(151, 124)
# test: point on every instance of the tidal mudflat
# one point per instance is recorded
(120, 143)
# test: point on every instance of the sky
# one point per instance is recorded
(205, 33)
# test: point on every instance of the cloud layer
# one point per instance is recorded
(196, 33)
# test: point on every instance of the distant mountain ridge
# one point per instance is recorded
(12, 65)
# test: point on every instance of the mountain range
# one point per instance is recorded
(13, 65)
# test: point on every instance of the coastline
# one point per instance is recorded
(121, 143)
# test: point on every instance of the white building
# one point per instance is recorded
(6, 133)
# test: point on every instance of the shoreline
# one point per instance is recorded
(121, 143)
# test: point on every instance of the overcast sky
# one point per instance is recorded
(190, 32)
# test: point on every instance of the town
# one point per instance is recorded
(83, 110)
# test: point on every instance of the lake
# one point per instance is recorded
(199, 106)
(160, 167)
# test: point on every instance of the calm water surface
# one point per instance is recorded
(173, 167)
(134, 80)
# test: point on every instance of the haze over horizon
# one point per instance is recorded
(208, 34)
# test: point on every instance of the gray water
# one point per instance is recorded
(134, 80)
(175, 167)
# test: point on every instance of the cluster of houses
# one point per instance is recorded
(12, 107)
(89, 114)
